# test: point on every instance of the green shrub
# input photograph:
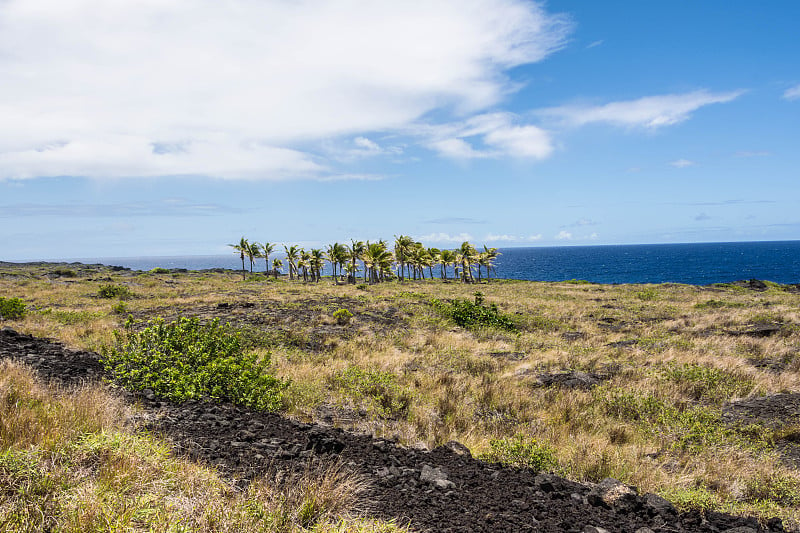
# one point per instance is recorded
(120, 308)
(381, 388)
(362, 286)
(114, 291)
(12, 308)
(342, 316)
(647, 295)
(577, 281)
(691, 499)
(159, 270)
(475, 314)
(188, 360)
(64, 273)
(522, 451)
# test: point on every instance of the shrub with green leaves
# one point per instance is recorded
(342, 316)
(648, 294)
(114, 291)
(159, 270)
(390, 399)
(185, 359)
(475, 314)
(522, 451)
(12, 308)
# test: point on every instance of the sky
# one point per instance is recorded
(174, 127)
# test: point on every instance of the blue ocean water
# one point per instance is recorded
(696, 264)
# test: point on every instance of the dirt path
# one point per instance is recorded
(443, 490)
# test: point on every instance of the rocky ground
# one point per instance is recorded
(441, 490)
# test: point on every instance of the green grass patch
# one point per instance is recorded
(522, 451)
(707, 384)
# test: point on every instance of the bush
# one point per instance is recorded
(647, 295)
(188, 360)
(362, 286)
(114, 291)
(64, 273)
(390, 399)
(521, 451)
(342, 316)
(159, 270)
(474, 314)
(12, 308)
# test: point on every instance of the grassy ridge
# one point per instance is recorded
(406, 364)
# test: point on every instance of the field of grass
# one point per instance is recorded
(429, 362)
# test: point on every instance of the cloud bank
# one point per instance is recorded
(239, 89)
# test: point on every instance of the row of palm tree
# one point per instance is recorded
(409, 259)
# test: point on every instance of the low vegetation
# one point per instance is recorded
(645, 375)
(12, 308)
(185, 359)
(71, 462)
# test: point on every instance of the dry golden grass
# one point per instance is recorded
(655, 424)
(71, 462)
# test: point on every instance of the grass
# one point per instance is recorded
(70, 461)
(421, 376)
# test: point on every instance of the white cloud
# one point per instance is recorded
(445, 237)
(647, 112)
(792, 93)
(456, 148)
(563, 236)
(537, 237)
(89, 86)
(595, 43)
(682, 163)
(359, 148)
(505, 238)
(497, 134)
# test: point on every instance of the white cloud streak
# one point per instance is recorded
(648, 112)
(442, 237)
(490, 135)
(682, 163)
(792, 93)
(231, 89)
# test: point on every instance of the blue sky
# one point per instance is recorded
(133, 128)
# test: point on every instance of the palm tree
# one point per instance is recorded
(377, 261)
(292, 255)
(468, 255)
(402, 247)
(241, 247)
(432, 257)
(487, 259)
(317, 261)
(252, 252)
(337, 256)
(277, 264)
(304, 262)
(266, 249)
(355, 252)
(445, 258)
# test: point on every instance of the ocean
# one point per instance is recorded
(696, 264)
